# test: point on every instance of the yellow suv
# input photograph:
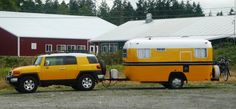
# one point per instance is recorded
(79, 70)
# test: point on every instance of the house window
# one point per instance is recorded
(71, 47)
(109, 47)
(48, 48)
(92, 49)
(200, 52)
(61, 48)
(113, 47)
(105, 48)
(81, 47)
(33, 46)
(143, 53)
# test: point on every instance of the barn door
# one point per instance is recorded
(185, 56)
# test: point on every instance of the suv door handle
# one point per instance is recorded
(62, 68)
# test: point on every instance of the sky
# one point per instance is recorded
(207, 5)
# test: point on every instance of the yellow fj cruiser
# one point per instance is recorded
(79, 70)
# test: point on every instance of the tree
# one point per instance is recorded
(28, 6)
(104, 11)
(9, 5)
(117, 13)
(141, 10)
(128, 11)
(198, 10)
(219, 13)
(48, 6)
(73, 7)
(63, 8)
(38, 6)
(87, 7)
(231, 12)
(210, 13)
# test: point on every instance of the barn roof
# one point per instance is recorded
(196, 27)
(23, 24)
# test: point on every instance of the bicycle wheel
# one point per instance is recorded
(225, 75)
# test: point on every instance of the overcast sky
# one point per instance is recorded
(213, 5)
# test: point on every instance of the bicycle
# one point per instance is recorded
(223, 62)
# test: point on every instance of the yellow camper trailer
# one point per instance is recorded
(169, 61)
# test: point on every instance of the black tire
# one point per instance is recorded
(27, 85)
(103, 67)
(85, 83)
(176, 82)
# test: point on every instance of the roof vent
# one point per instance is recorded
(148, 18)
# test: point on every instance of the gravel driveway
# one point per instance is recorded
(120, 98)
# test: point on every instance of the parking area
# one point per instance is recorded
(216, 95)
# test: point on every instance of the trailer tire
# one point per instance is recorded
(176, 82)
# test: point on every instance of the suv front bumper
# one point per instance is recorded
(11, 80)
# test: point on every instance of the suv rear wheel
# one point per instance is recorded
(86, 82)
(27, 85)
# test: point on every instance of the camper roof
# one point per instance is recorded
(167, 43)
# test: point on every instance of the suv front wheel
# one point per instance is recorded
(86, 82)
(27, 85)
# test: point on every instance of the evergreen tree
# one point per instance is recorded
(63, 8)
(210, 13)
(38, 6)
(231, 12)
(198, 10)
(219, 13)
(73, 7)
(141, 10)
(48, 7)
(87, 7)
(176, 10)
(28, 6)
(117, 13)
(104, 11)
(128, 11)
(55, 7)
(151, 5)
(9, 5)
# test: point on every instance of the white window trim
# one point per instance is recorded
(61, 46)
(71, 47)
(198, 56)
(46, 47)
(33, 46)
(82, 46)
(145, 53)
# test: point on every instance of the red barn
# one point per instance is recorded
(30, 34)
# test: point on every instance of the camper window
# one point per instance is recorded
(200, 52)
(143, 53)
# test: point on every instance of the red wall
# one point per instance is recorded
(8, 43)
(25, 44)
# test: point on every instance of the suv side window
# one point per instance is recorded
(92, 59)
(51, 61)
(60, 60)
(70, 60)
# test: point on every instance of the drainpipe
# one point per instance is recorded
(18, 46)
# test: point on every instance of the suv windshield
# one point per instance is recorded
(38, 61)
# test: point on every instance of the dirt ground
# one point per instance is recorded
(207, 95)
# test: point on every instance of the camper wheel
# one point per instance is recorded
(176, 80)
